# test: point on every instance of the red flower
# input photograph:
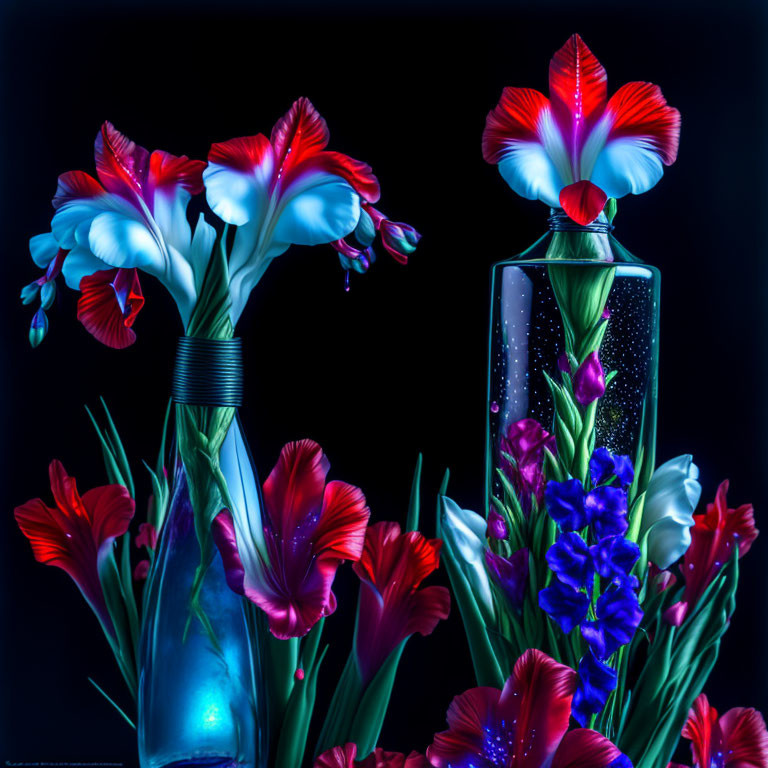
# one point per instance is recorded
(738, 739)
(577, 148)
(523, 726)
(310, 527)
(344, 757)
(108, 305)
(713, 538)
(391, 606)
(78, 532)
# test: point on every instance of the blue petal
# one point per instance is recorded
(614, 556)
(43, 248)
(527, 168)
(238, 197)
(79, 263)
(606, 509)
(596, 681)
(125, 242)
(564, 604)
(570, 560)
(627, 165)
(565, 504)
(318, 208)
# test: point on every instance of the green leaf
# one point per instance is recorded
(112, 702)
(415, 499)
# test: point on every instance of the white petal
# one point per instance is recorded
(43, 248)
(668, 541)
(528, 169)
(121, 241)
(169, 210)
(80, 262)
(76, 216)
(464, 533)
(200, 249)
(238, 197)
(317, 208)
(627, 165)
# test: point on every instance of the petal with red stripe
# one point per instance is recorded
(121, 164)
(298, 134)
(584, 748)
(108, 305)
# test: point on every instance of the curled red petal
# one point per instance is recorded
(577, 88)
(469, 714)
(300, 133)
(583, 201)
(703, 729)
(76, 185)
(337, 757)
(514, 118)
(340, 532)
(537, 697)
(242, 154)
(355, 172)
(745, 738)
(108, 305)
(640, 110)
(121, 164)
(167, 170)
(584, 748)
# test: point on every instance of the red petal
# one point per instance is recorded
(577, 84)
(416, 760)
(537, 697)
(381, 759)
(299, 133)
(167, 170)
(110, 510)
(640, 110)
(75, 185)
(120, 163)
(355, 172)
(514, 118)
(703, 730)
(243, 154)
(223, 532)
(294, 489)
(427, 607)
(468, 716)
(745, 738)
(108, 305)
(337, 757)
(584, 748)
(583, 201)
(340, 532)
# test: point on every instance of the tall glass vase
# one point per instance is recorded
(200, 680)
(574, 312)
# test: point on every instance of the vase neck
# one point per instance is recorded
(208, 372)
(559, 221)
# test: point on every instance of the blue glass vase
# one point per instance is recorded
(199, 704)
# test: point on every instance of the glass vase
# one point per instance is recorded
(576, 299)
(199, 693)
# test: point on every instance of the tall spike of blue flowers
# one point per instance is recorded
(592, 561)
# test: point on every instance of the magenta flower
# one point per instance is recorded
(737, 739)
(589, 380)
(310, 527)
(391, 606)
(344, 757)
(525, 442)
(497, 526)
(523, 726)
(77, 534)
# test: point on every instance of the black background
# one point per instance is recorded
(398, 364)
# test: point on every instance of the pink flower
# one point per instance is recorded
(525, 442)
(392, 606)
(577, 148)
(523, 726)
(77, 534)
(738, 739)
(344, 757)
(310, 527)
(714, 537)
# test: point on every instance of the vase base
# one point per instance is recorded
(206, 762)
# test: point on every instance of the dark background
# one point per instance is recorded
(398, 364)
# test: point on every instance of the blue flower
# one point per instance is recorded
(596, 681)
(606, 508)
(570, 560)
(618, 617)
(603, 465)
(566, 605)
(614, 557)
(565, 504)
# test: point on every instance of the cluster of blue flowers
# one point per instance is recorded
(592, 561)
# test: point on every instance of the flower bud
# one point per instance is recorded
(589, 380)
(47, 294)
(39, 327)
(29, 293)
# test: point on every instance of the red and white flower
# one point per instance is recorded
(577, 148)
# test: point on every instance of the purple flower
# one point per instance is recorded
(603, 465)
(497, 526)
(565, 504)
(566, 605)
(589, 380)
(525, 442)
(606, 509)
(618, 617)
(510, 573)
(596, 681)
(570, 560)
